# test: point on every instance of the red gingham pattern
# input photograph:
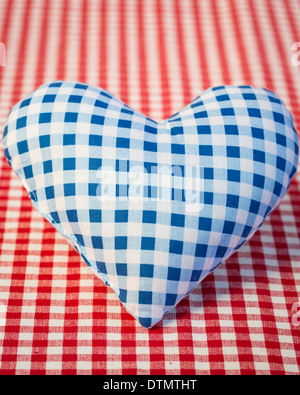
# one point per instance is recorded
(56, 317)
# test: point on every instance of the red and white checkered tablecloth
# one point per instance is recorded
(56, 317)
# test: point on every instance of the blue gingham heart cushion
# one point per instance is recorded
(152, 207)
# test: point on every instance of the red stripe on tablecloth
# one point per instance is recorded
(41, 326)
(261, 47)
(266, 307)
(185, 77)
(198, 20)
(293, 23)
(220, 42)
(62, 50)
(103, 45)
(83, 40)
(40, 67)
(71, 316)
(161, 48)
(123, 52)
(143, 76)
(240, 42)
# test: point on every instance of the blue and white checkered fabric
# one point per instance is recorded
(152, 207)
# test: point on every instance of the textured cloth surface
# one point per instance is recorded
(157, 56)
(153, 208)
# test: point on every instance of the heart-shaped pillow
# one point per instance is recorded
(152, 207)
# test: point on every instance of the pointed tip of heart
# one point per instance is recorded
(146, 322)
(149, 323)
(148, 317)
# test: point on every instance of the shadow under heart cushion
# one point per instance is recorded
(152, 207)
